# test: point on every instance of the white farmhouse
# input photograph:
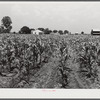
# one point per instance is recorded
(37, 32)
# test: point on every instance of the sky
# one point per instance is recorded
(71, 16)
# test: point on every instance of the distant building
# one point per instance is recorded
(37, 32)
(95, 32)
(76, 33)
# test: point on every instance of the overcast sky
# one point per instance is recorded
(73, 16)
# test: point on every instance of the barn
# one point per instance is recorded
(37, 32)
(95, 32)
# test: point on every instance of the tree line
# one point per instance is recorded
(6, 26)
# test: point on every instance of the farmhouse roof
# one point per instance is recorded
(96, 30)
(38, 31)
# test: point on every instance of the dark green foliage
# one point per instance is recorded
(60, 32)
(6, 21)
(25, 30)
(1, 29)
(47, 31)
(82, 32)
(88, 61)
(26, 57)
(6, 24)
(41, 29)
(63, 68)
(55, 31)
(66, 32)
(50, 60)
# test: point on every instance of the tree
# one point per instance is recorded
(14, 32)
(6, 23)
(55, 31)
(66, 31)
(82, 32)
(8, 29)
(47, 31)
(50, 31)
(41, 29)
(1, 29)
(60, 32)
(25, 30)
(92, 32)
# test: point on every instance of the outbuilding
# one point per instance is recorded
(37, 32)
(95, 32)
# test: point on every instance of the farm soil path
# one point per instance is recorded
(75, 81)
(46, 76)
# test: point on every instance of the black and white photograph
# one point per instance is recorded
(50, 45)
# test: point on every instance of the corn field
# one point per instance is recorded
(49, 61)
